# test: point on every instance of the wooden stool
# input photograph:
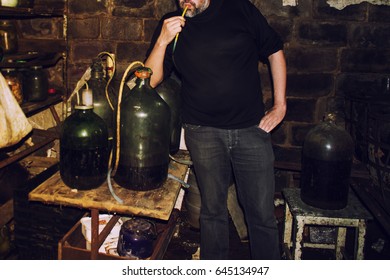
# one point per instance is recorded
(299, 214)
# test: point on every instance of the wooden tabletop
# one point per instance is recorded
(156, 203)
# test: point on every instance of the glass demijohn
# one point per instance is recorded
(144, 137)
(84, 148)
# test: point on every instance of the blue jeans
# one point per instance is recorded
(245, 155)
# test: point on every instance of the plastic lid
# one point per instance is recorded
(143, 72)
(87, 97)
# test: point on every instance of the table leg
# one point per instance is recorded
(94, 234)
(340, 242)
(361, 235)
(288, 221)
(298, 243)
(287, 234)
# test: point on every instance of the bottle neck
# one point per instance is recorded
(330, 117)
(97, 71)
(83, 108)
(97, 75)
(142, 82)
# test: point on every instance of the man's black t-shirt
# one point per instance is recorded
(217, 57)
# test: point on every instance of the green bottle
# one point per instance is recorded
(84, 147)
(144, 137)
(169, 90)
(327, 155)
(101, 106)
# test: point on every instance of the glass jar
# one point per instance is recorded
(136, 238)
(35, 84)
(14, 81)
(8, 37)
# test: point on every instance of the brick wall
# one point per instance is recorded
(117, 26)
(329, 52)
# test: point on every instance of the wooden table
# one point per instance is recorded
(157, 203)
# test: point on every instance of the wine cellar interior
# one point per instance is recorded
(338, 61)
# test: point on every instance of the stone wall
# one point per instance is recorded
(116, 26)
(330, 52)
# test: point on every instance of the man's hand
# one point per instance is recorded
(272, 118)
(170, 28)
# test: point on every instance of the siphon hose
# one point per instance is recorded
(117, 198)
(182, 182)
(184, 162)
(118, 132)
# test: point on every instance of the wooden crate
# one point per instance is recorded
(73, 246)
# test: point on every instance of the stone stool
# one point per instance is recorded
(298, 215)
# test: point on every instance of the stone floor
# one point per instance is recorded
(184, 244)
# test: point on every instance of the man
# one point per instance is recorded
(219, 45)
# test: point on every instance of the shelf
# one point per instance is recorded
(34, 165)
(32, 108)
(45, 137)
(7, 212)
(9, 12)
(73, 245)
(56, 49)
(30, 59)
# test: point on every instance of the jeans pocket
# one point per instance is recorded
(261, 131)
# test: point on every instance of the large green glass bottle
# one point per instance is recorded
(101, 106)
(84, 149)
(144, 137)
(326, 165)
(169, 90)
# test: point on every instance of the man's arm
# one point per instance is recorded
(279, 78)
(155, 61)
